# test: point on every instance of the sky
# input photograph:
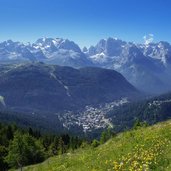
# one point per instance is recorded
(85, 21)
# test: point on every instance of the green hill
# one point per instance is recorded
(141, 149)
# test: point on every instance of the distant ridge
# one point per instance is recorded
(50, 88)
(139, 63)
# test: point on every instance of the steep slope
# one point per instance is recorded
(90, 99)
(139, 63)
(142, 149)
(11, 52)
(55, 51)
(49, 88)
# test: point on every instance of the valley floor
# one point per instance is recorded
(142, 149)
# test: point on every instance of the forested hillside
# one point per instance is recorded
(21, 147)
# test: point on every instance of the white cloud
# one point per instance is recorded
(148, 38)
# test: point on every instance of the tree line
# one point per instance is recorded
(20, 147)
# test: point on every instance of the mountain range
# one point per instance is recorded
(147, 66)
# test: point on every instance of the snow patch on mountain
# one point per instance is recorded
(139, 63)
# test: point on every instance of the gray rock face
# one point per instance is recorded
(146, 66)
(49, 50)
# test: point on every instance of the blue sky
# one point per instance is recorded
(85, 21)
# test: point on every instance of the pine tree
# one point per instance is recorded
(9, 132)
(16, 156)
(103, 137)
(55, 146)
(30, 131)
(3, 164)
(61, 146)
(24, 150)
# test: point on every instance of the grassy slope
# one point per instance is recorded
(137, 150)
